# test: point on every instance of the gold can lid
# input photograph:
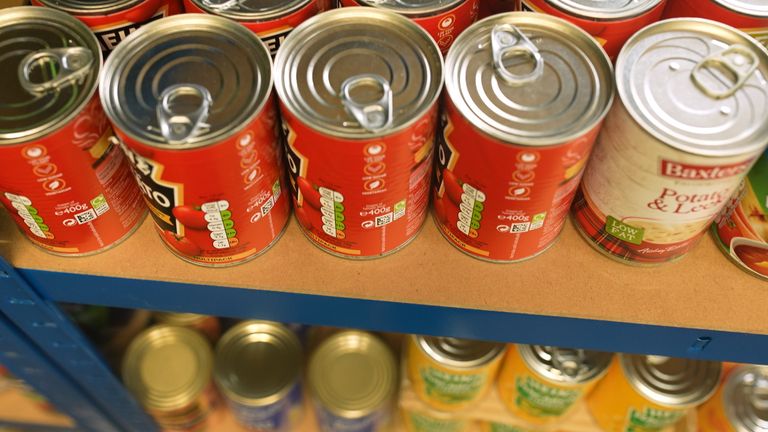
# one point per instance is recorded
(258, 362)
(459, 353)
(167, 367)
(179, 319)
(353, 374)
(668, 381)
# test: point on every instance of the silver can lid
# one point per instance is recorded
(459, 353)
(671, 381)
(186, 81)
(90, 7)
(565, 365)
(745, 396)
(358, 72)
(697, 85)
(605, 9)
(414, 8)
(529, 78)
(251, 10)
(755, 8)
(50, 65)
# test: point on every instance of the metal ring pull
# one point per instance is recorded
(757, 391)
(70, 65)
(223, 5)
(180, 127)
(373, 115)
(737, 60)
(569, 361)
(508, 41)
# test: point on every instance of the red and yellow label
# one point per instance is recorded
(757, 26)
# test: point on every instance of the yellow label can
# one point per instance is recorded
(740, 404)
(417, 420)
(486, 426)
(449, 374)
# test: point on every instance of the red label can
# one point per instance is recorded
(209, 163)
(112, 21)
(444, 21)
(272, 24)
(611, 23)
(493, 7)
(65, 183)
(514, 144)
(748, 16)
(359, 148)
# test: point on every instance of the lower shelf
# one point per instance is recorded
(18, 411)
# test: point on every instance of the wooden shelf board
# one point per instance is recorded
(17, 408)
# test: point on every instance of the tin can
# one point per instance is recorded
(450, 374)
(168, 370)
(650, 393)
(424, 420)
(515, 139)
(750, 16)
(488, 426)
(493, 7)
(677, 143)
(611, 22)
(739, 405)
(359, 146)
(542, 384)
(191, 100)
(353, 379)
(258, 370)
(272, 21)
(208, 326)
(741, 230)
(66, 185)
(112, 21)
(444, 20)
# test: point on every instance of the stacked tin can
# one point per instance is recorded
(740, 404)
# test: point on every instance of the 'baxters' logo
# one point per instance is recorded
(703, 172)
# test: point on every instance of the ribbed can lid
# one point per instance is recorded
(251, 10)
(258, 362)
(180, 319)
(186, 81)
(414, 7)
(605, 9)
(353, 374)
(90, 7)
(697, 85)
(358, 72)
(459, 353)
(50, 65)
(756, 8)
(529, 78)
(565, 365)
(167, 367)
(671, 381)
(745, 395)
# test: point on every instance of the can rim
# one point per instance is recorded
(743, 8)
(424, 11)
(734, 383)
(179, 318)
(493, 354)
(600, 14)
(241, 16)
(87, 10)
(593, 374)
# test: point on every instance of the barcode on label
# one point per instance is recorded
(85, 216)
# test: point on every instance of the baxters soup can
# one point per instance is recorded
(272, 21)
(191, 100)
(739, 405)
(750, 16)
(450, 374)
(358, 90)
(526, 95)
(650, 393)
(611, 22)
(112, 21)
(542, 384)
(677, 143)
(444, 20)
(741, 230)
(67, 186)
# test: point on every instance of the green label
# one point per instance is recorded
(449, 388)
(498, 427)
(541, 400)
(98, 201)
(425, 423)
(622, 231)
(651, 420)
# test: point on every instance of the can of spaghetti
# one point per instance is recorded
(739, 405)
(272, 21)
(741, 230)
(444, 20)
(750, 16)
(66, 185)
(208, 326)
(358, 89)
(677, 143)
(526, 95)
(258, 370)
(353, 379)
(542, 384)
(191, 100)
(650, 393)
(493, 7)
(611, 22)
(168, 370)
(426, 420)
(112, 21)
(450, 374)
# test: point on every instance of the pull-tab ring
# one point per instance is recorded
(570, 362)
(73, 65)
(757, 391)
(222, 5)
(737, 60)
(508, 41)
(375, 115)
(178, 127)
